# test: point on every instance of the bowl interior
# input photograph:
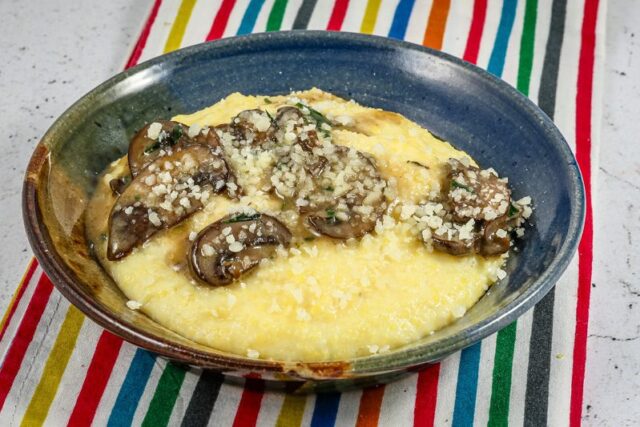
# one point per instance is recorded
(456, 101)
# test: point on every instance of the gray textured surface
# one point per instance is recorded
(53, 53)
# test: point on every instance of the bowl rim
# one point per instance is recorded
(402, 359)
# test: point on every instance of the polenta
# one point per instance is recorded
(300, 227)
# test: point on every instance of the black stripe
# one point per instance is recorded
(537, 394)
(203, 399)
(549, 78)
(304, 14)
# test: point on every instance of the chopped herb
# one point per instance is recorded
(456, 184)
(329, 188)
(513, 209)
(270, 116)
(152, 147)
(316, 115)
(137, 197)
(241, 218)
(309, 238)
(267, 101)
(175, 135)
(413, 162)
(103, 237)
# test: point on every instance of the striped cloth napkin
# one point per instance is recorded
(58, 367)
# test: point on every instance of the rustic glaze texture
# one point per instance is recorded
(460, 103)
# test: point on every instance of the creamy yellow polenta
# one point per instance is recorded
(322, 299)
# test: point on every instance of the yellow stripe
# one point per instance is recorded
(174, 40)
(370, 16)
(54, 368)
(292, 411)
(15, 294)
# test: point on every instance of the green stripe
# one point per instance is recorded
(165, 396)
(501, 386)
(505, 342)
(275, 16)
(526, 46)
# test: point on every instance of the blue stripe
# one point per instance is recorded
(499, 52)
(467, 387)
(326, 410)
(401, 19)
(132, 389)
(250, 17)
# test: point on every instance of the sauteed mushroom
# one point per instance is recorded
(475, 193)
(235, 244)
(163, 194)
(454, 245)
(495, 237)
(162, 138)
(251, 127)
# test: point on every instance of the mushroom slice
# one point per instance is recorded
(495, 238)
(454, 245)
(235, 244)
(353, 226)
(152, 141)
(476, 194)
(170, 189)
(162, 138)
(253, 127)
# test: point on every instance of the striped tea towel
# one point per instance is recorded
(58, 367)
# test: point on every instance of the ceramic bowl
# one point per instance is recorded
(457, 101)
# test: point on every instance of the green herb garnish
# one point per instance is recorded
(513, 209)
(103, 237)
(137, 197)
(270, 116)
(316, 115)
(309, 238)
(152, 147)
(267, 101)
(456, 184)
(175, 134)
(241, 218)
(329, 188)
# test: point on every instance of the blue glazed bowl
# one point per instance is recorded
(457, 101)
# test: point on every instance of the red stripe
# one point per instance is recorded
(249, 407)
(426, 396)
(95, 382)
(337, 15)
(584, 98)
(144, 35)
(370, 404)
(24, 336)
(19, 293)
(475, 31)
(221, 20)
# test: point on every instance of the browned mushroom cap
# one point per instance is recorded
(163, 194)
(150, 141)
(355, 226)
(118, 185)
(495, 238)
(476, 194)
(235, 244)
(292, 119)
(455, 245)
(252, 127)
(146, 146)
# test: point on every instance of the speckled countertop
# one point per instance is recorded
(54, 52)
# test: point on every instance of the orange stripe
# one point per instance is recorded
(434, 34)
(370, 404)
(17, 295)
